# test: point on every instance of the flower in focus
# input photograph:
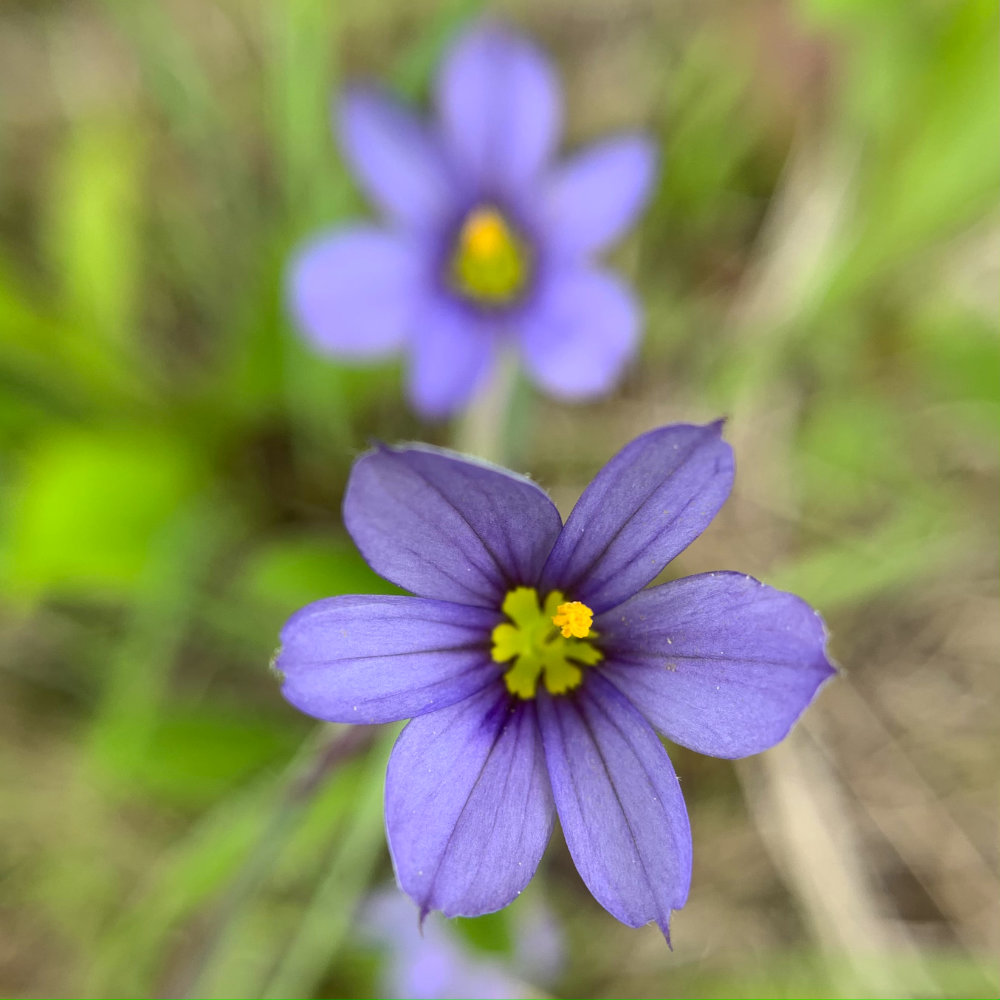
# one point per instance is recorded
(486, 241)
(537, 671)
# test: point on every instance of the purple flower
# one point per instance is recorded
(486, 241)
(521, 705)
(429, 961)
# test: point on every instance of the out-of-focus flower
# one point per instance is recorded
(512, 715)
(429, 961)
(486, 241)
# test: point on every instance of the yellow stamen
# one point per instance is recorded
(574, 619)
(531, 639)
(489, 264)
(484, 234)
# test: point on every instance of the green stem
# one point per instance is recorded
(483, 430)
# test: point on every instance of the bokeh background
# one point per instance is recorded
(819, 263)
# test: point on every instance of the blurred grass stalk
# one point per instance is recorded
(792, 797)
(329, 915)
(805, 823)
(799, 806)
(219, 968)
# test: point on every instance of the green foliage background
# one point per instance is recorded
(819, 263)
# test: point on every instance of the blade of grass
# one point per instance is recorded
(302, 784)
(325, 923)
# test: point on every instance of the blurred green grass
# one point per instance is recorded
(819, 262)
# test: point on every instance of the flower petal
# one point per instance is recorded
(401, 168)
(719, 662)
(379, 659)
(581, 332)
(593, 198)
(353, 293)
(499, 103)
(452, 354)
(619, 803)
(468, 810)
(647, 504)
(448, 527)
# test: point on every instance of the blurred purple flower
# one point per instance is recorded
(486, 241)
(430, 962)
(538, 668)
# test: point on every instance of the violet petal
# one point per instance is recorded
(354, 292)
(448, 527)
(591, 200)
(619, 803)
(719, 662)
(467, 804)
(389, 149)
(380, 659)
(452, 355)
(500, 109)
(580, 333)
(647, 504)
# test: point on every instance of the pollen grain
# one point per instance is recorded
(574, 618)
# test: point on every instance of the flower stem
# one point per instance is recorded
(484, 429)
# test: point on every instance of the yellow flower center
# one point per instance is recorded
(489, 264)
(533, 641)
